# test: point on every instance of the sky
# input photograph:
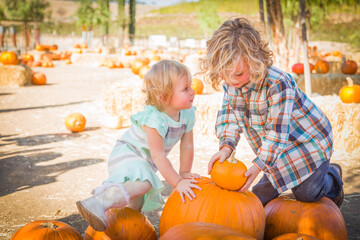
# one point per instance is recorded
(164, 2)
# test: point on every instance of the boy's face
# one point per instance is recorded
(239, 75)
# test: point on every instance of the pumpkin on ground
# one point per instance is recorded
(138, 63)
(143, 71)
(229, 174)
(9, 58)
(124, 224)
(75, 122)
(38, 78)
(197, 85)
(240, 211)
(322, 66)
(46, 230)
(349, 67)
(298, 68)
(294, 236)
(202, 231)
(350, 93)
(321, 219)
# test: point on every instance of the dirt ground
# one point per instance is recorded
(45, 169)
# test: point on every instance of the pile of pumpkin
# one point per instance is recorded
(217, 212)
(323, 66)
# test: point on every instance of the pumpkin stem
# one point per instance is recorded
(350, 81)
(232, 158)
(49, 225)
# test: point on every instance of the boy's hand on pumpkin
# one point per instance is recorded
(221, 155)
(189, 175)
(251, 174)
(184, 188)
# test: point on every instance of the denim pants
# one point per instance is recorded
(325, 181)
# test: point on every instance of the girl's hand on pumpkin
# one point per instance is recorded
(184, 188)
(251, 174)
(221, 155)
(189, 175)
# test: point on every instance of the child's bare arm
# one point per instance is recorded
(187, 156)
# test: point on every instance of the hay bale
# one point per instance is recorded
(345, 122)
(326, 84)
(15, 75)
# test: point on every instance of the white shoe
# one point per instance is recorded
(93, 212)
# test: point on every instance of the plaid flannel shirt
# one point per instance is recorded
(289, 134)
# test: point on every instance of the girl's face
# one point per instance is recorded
(239, 75)
(183, 95)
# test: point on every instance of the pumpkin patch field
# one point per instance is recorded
(49, 161)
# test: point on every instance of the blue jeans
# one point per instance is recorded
(325, 181)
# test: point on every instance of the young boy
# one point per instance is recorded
(290, 135)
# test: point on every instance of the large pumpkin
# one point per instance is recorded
(9, 58)
(46, 230)
(321, 219)
(143, 71)
(138, 63)
(203, 231)
(294, 236)
(75, 122)
(349, 67)
(229, 174)
(322, 66)
(350, 93)
(124, 224)
(240, 211)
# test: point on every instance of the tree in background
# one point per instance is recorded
(132, 23)
(85, 17)
(121, 18)
(102, 18)
(208, 16)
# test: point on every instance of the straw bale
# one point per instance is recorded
(345, 122)
(15, 75)
(326, 84)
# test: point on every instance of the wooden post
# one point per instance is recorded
(305, 49)
(2, 37)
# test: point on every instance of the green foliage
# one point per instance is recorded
(85, 13)
(209, 19)
(26, 10)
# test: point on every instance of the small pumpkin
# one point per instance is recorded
(202, 231)
(138, 63)
(229, 174)
(46, 230)
(75, 122)
(27, 57)
(197, 85)
(243, 211)
(125, 224)
(349, 67)
(298, 68)
(350, 93)
(294, 236)
(322, 66)
(321, 219)
(38, 78)
(9, 58)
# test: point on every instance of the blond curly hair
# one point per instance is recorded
(236, 38)
(159, 81)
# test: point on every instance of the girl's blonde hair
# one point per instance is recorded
(159, 80)
(235, 39)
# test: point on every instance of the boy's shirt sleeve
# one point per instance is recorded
(227, 128)
(281, 97)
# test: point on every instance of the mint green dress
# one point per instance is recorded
(130, 158)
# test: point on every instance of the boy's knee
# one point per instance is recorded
(307, 196)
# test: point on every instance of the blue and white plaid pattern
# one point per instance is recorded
(289, 134)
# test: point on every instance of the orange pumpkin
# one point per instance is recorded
(350, 93)
(202, 231)
(156, 58)
(229, 174)
(294, 236)
(9, 58)
(143, 71)
(42, 47)
(349, 67)
(197, 85)
(68, 61)
(125, 224)
(240, 211)
(38, 78)
(137, 64)
(322, 66)
(298, 68)
(75, 122)
(321, 219)
(46, 230)
(27, 57)
(53, 47)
